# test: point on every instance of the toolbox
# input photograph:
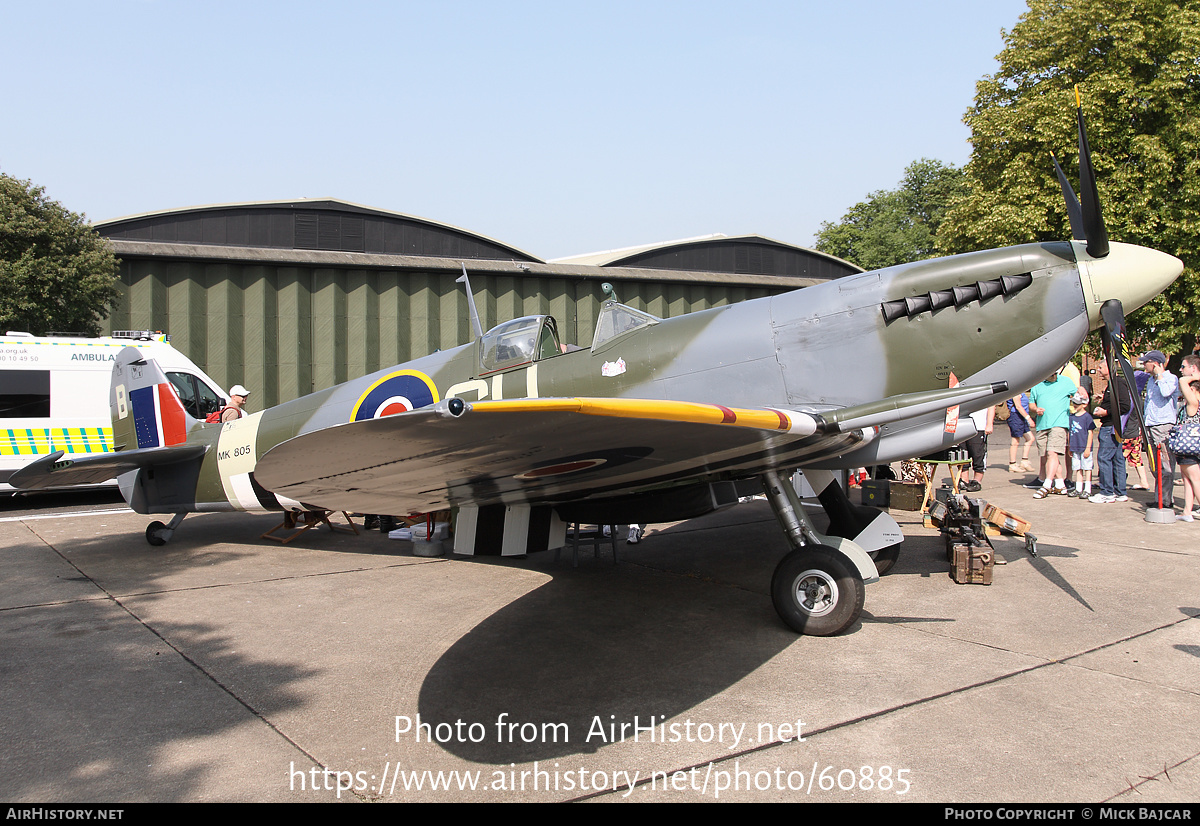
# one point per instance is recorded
(875, 493)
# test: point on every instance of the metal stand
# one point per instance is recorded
(1161, 515)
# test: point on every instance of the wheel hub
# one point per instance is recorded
(816, 593)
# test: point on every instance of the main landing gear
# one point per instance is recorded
(819, 587)
(816, 591)
(159, 534)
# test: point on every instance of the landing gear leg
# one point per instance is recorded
(159, 534)
(818, 588)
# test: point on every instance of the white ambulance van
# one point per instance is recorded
(54, 392)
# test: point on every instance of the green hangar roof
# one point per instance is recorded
(309, 224)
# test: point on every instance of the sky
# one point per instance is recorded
(556, 127)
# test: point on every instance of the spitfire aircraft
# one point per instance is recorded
(659, 419)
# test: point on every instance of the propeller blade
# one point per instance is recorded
(1074, 214)
(1089, 197)
(1116, 353)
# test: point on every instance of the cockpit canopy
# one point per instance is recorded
(518, 342)
(535, 337)
(616, 320)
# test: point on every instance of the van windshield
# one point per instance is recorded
(197, 397)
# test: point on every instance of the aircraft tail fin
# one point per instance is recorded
(150, 428)
(146, 412)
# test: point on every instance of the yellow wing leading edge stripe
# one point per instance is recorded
(786, 421)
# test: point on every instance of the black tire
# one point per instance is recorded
(817, 591)
(886, 558)
(152, 534)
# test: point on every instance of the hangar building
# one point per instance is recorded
(289, 297)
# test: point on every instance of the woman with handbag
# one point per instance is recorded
(1185, 438)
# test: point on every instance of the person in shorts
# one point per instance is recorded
(1020, 427)
(1189, 414)
(1050, 401)
(1081, 443)
(1162, 408)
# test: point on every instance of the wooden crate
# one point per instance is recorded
(1006, 521)
(907, 496)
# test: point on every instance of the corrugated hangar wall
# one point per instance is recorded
(285, 330)
(288, 297)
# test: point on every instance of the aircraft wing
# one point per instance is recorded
(558, 450)
(528, 450)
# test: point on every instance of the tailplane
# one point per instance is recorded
(150, 429)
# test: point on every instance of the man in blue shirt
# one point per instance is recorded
(1162, 408)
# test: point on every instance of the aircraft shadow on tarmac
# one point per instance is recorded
(593, 643)
(676, 623)
(599, 644)
(1193, 613)
(1044, 567)
(50, 501)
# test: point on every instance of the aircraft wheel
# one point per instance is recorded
(885, 558)
(817, 591)
(152, 534)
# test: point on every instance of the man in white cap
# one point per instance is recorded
(237, 401)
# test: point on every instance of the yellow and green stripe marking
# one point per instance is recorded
(41, 441)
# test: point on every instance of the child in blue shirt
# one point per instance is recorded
(1081, 443)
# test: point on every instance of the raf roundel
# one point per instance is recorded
(396, 392)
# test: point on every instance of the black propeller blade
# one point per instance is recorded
(1116, 353)
(1089, 201)
(1074, 213)
(1087, 223)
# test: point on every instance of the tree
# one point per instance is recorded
(56, 272)
(1135, 64)
(896, 226)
